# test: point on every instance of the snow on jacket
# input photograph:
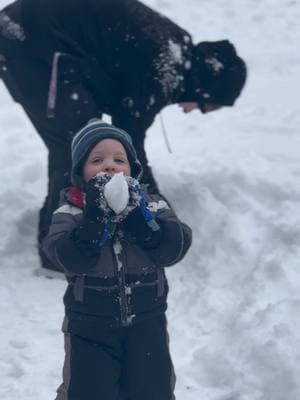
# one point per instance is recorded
(124, 283)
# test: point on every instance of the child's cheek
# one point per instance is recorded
(89, 171)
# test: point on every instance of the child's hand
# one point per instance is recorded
(134, 192)
(96, 204)
(115, 195)
(122, 194)
(138, 202)
(140, 221)
(97, 225)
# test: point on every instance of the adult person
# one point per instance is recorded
(68, 61)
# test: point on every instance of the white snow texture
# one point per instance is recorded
(234, 177)
(116, 193)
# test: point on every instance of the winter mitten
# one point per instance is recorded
(96, 226)
(140, 222)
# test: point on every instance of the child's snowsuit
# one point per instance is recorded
(115, 326)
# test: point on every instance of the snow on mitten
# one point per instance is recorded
(97, 225)
(140, 222)
(122, 194)
(95, 198)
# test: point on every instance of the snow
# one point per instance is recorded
(167, 67)
(117, 250)
(234, 302)
(10, 29)
(215, 64)
(175, 50)
(116, 193)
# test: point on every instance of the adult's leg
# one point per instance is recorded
(149, 369)
(27, 79)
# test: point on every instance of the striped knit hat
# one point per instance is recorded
(89, 136)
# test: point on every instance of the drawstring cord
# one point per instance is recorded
(52, 93)
(163, 128)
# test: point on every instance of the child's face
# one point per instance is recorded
(108, 156)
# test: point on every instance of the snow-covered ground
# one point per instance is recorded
(234, 176)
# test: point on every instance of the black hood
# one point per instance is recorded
(217, 74)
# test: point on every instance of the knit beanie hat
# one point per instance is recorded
(217, 74)
(87, 138)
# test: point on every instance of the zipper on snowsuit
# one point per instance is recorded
(117, 250)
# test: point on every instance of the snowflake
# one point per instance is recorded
(188, 65)
(215, 64)
(151, 100)
(74, 96)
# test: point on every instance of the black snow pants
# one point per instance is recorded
(27, 79)
(127, 363)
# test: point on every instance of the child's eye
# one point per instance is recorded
(120, 160)
(96, 160)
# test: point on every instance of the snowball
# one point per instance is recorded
(116, 193)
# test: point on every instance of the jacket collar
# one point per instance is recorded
(75, 197)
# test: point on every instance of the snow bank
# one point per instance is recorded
(234, 177)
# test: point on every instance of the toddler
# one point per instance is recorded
(113, 240)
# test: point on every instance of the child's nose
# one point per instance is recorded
(109, 166)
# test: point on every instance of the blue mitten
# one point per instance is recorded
(140, 222)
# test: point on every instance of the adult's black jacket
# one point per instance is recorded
(67, 61)
(129, 58)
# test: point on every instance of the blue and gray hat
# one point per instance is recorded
(89, 136)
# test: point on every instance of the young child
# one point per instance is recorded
(113, 240)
